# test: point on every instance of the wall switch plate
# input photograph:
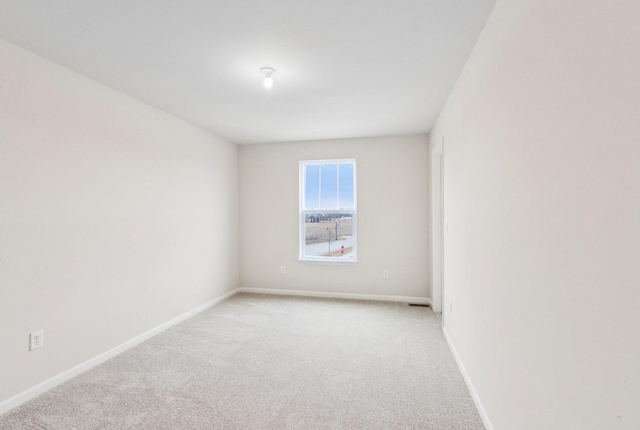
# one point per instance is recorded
(283, 269)
(385, 273)
(36, 340)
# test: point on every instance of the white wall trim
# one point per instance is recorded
(50, 383)
(437, 226)
(402, 299)
(54, 381)
(467, 380)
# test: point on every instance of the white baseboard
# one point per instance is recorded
(402, 299)
(467, 380)
(50, 383)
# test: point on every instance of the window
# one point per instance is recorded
(328, 211)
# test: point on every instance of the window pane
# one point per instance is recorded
(346, 186)
(329, 235)
(329, 186)
(312, 186)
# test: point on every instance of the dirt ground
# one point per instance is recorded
(316, 232)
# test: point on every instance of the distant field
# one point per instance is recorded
(316, 232)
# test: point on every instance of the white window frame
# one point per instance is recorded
(303, 212)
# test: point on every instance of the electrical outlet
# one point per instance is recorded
(36, 340)
(385, 273)
(283, 269)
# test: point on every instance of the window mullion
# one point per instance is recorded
(338, 186)
(319, 186)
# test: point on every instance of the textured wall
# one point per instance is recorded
(542, 200)
(114, 218)
(393, 217)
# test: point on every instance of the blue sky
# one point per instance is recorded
(334, 193)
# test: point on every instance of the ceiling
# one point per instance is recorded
(344, 68)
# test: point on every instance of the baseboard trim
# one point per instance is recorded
(467, 380)
(50, 383)
(54, 381)
(401, 299)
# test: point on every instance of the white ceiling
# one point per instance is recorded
(345, 68)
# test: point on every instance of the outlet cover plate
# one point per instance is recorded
(36, 340)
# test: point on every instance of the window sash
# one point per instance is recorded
(305, 210)
(326, 227)
(305, 204)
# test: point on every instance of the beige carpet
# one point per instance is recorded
(271, 362)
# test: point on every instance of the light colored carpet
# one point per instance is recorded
(271, 362)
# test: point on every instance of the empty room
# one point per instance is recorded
(420, 214)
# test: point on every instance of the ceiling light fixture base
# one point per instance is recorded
(267, 71)
(268, 80)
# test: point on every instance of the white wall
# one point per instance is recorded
(542, 198)
(114, 218)
(393, 217)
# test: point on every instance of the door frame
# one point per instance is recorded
(437, 227)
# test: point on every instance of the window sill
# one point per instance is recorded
(336, 262)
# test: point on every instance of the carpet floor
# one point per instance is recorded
(271, 362)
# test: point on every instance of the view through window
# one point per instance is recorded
(328, 210)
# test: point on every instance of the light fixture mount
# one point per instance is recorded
(267, 72)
